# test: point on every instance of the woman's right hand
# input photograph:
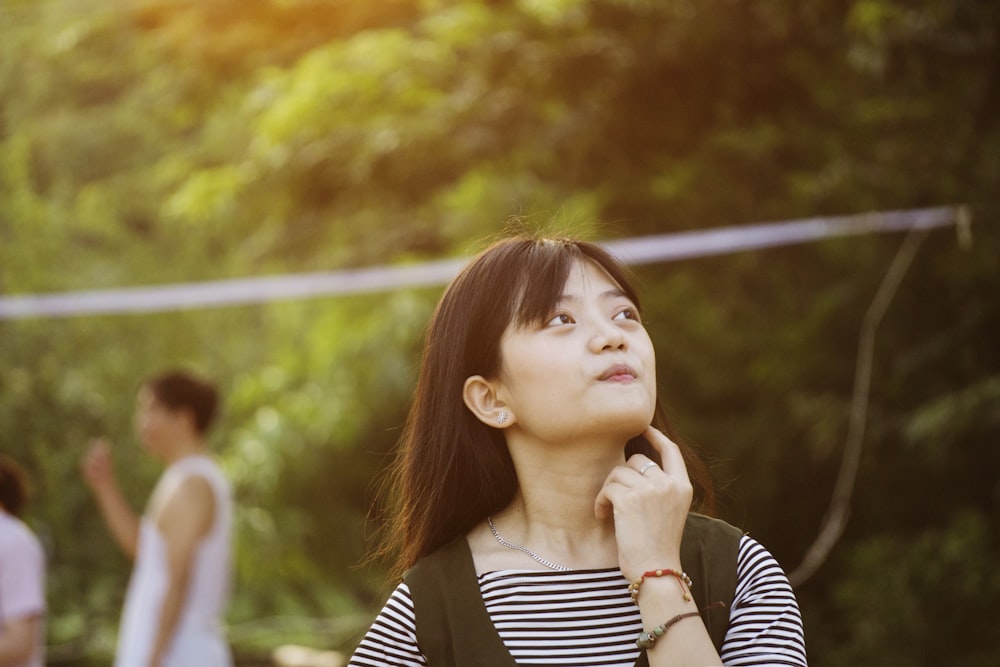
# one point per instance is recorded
(649, 505)
(96, 464)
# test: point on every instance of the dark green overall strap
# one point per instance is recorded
(454, 628)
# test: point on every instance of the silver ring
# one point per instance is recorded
(646, 466)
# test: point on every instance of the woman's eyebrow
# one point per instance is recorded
(613, 293)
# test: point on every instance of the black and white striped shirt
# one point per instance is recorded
(587, 618)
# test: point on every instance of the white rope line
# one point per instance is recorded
(686, 245)
(181, 296)
(638, 250)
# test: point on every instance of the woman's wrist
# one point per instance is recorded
(683, 581)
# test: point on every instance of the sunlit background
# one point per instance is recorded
(155, 142)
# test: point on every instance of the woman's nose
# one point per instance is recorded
(607, 336)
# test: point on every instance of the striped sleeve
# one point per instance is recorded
(391, 641)
(765, 626)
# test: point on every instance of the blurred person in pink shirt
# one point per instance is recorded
(22, 575)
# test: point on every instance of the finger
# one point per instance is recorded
(620, 477)
(609, 498)
(648, 468)
(628, 475)
(642, 464)
(604, 508)
(670, 453)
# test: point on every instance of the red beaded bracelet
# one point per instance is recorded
(633, 588)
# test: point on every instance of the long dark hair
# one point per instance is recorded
(451, 471)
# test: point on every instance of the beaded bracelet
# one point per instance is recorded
(633, 588)
(647, 639)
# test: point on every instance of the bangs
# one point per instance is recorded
(542, 275)
(540, 280)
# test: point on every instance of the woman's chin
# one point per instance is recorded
(624, 429)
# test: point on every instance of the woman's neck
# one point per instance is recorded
(552, 513)
(562, 480)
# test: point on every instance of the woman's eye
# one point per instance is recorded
(561, 318)
(627, 314)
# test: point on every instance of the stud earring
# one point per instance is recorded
(502, 417)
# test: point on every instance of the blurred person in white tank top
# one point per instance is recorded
(180, 582)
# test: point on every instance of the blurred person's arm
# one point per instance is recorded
(119, 516)
(184, 520)
(17, 640)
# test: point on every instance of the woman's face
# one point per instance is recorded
(588, 370)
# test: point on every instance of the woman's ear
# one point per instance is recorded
(481, 398)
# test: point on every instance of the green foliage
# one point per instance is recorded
(176, 142)
(891, 585)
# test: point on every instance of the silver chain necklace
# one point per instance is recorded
(547, 563)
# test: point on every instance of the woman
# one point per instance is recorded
(527, 531)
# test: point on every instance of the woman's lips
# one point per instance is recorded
(618, 373)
